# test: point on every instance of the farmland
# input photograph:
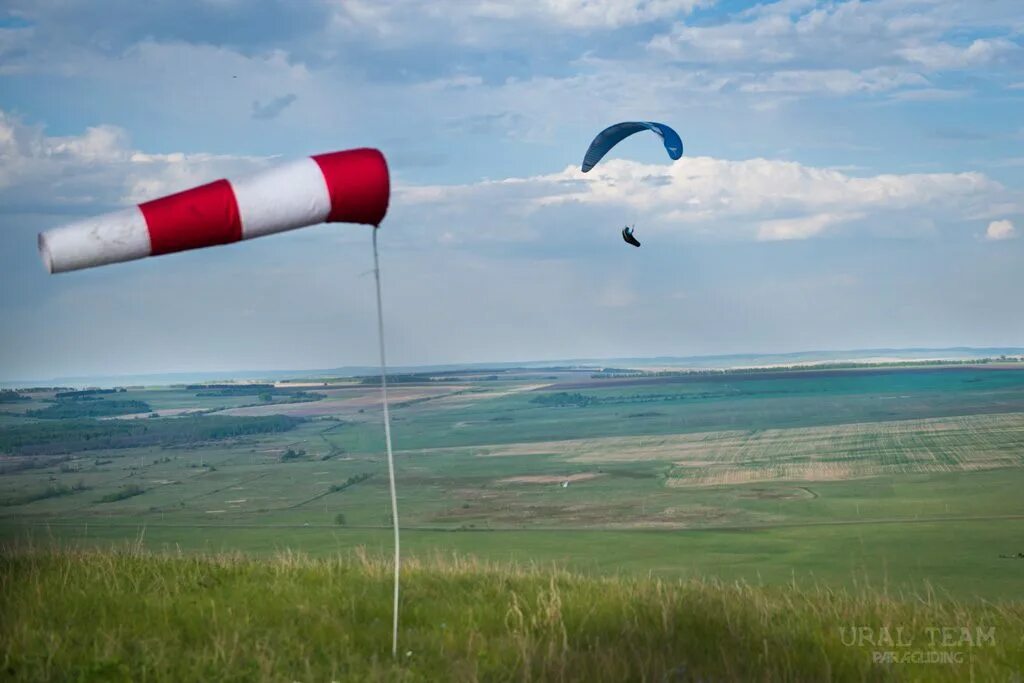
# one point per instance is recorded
(897, 477)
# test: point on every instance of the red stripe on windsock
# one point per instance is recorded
(358, 184)
(200, 217)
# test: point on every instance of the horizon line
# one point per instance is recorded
(502, 364)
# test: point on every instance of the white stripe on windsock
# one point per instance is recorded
(282, 198)
(110, 238)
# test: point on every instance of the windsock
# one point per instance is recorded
(340, 187)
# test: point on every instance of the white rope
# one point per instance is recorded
(387, 441)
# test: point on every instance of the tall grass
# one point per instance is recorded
(129, 615)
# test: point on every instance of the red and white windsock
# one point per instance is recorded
(339, 187)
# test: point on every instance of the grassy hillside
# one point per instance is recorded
(129, 615)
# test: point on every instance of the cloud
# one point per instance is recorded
(1000, 230)
(834, 81)
(401, 16)
(799, 228)
(123, 22)
(155, 82)
(590, 13)
(940, 56)
(272, 108)
(851, 33)
(95, 171)
(709, 198)
(929, 95)
(864, 46)
(499, 123)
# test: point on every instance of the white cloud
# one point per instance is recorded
(850, 33)
(799, 228)
(945, 56)
(401, 16)
(194, 81)
(1000, 230)
(929, 95)
(758, 199)
(98, 168)
(590, 13)
(834, 81)
(844, 47)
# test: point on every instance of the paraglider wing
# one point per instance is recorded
(613, 135)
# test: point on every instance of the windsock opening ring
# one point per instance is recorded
(44, 253)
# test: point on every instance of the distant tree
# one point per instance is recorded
(94, 407)
(73, 436)
(125, 492)
(339, 519)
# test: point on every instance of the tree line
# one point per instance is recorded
(71, 436)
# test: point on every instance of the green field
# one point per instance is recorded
(894, 476)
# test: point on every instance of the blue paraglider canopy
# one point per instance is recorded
(613, 135)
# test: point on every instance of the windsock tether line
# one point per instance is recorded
(387, 444)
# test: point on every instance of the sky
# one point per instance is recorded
(853, 178)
